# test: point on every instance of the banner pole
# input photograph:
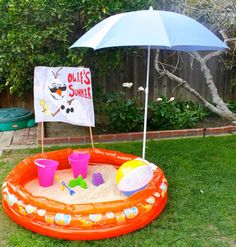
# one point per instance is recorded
(91, 136)
(42, 136)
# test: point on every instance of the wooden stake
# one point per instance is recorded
(91, 136)
(42, 136)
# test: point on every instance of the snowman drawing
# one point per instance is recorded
(71, 109)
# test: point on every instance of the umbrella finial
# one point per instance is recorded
(150, 8)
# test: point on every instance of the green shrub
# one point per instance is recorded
(39, 33)
(232, 106)
(124, 114)
(170, 114)
(99, 99)
(118, 112)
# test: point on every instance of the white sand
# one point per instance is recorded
(107, 191)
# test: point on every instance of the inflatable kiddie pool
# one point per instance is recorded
(84, 221)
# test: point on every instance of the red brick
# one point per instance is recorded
(61, 140)
(79, 139)
(96, 138)
(165, 133)
(109, 137)
(229, 128)
(87, 139)
(194, 132)
(136, 136)
(179, 133)
(152, 135)
(211, 131)
(46, 141)
(122, 137)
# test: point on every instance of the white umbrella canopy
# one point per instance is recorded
(152, 29)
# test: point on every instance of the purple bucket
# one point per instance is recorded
(79, 164)
(46, 171)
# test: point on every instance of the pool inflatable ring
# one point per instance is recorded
(81, 221)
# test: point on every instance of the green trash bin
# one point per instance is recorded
(16, 118)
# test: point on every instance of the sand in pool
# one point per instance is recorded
(107, 191)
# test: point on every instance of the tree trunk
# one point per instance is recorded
(218, 106)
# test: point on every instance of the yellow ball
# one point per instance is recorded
(127, 167)
(133, 175)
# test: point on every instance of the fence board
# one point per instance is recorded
(134, 70)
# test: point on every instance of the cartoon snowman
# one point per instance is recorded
(71, 109)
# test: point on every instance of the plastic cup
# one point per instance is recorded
(79, 164)
(46, 171)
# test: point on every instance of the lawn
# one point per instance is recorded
(201, 208)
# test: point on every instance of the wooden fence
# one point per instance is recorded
(134, 71)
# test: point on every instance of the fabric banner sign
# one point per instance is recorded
(63, 94)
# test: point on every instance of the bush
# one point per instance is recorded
(170, 114)
(232, 106)
(119, 113)
(33, 33)
(39, 33)
(124, 114)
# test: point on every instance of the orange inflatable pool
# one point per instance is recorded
(81, 221)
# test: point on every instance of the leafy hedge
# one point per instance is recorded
(171, 114)
(39, 32)
(121, 113)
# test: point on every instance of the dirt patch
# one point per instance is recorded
(57, 129)
(213, 121)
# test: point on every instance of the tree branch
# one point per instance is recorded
(218, 109)
(209, 81)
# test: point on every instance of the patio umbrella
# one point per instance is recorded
(150, 29)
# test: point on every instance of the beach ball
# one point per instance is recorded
(133, 176)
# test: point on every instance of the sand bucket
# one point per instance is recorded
(79, 164)
(46, 171)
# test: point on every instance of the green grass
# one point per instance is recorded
(201, 208)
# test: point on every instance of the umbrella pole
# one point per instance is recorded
(91, 136)
(42, 136)
(146, 103)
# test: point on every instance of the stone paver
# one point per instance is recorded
(6, 138)
(18, 138)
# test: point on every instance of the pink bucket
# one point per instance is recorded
(79, 164)
(46, 171)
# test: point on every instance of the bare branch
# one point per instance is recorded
(172, 91)
(176, 65)
(230, 40)
(219, 108)
(210, 55)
